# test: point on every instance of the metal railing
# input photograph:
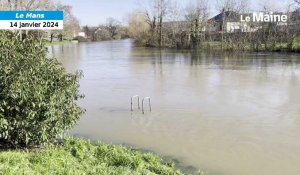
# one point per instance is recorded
(146, 98)
(138, 102)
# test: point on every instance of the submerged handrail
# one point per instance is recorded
(138, 97)
(143, 104)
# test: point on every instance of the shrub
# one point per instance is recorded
(296, 44)
(37, 96)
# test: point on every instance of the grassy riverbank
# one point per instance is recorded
(293, 46)
(77, 156)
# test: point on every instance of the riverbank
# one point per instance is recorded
(78, 156)
(54, 43)
(229, 43)
(293, 46)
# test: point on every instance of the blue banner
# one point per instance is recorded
(31, 15)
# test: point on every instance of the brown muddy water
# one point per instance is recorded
(228, 114)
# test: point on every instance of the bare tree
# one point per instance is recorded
(197, 15)
(232, 5)
(113, 26)
(175, 25)
(226, 8)
(151, 18)
(138, 27)
(161, 6)
(156, 11)
(71, 23)
(26, 4)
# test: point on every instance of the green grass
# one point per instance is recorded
(78, 156)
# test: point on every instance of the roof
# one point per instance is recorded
(226, 15)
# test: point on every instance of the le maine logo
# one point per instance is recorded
(265, 17)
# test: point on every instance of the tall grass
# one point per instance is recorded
(78, 156)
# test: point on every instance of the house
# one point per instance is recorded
(229, 22)
(81, 34)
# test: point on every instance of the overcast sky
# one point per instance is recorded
(95, 12)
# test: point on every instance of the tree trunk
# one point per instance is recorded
(160, 31)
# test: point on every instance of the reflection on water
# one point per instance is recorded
(229, 114)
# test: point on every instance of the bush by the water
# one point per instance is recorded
(296, 44)
(37, 96)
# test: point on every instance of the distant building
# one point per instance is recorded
(229, 22)
(81, 34)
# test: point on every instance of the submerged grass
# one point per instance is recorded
(78, 156)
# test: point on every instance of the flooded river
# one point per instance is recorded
(228, 114)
